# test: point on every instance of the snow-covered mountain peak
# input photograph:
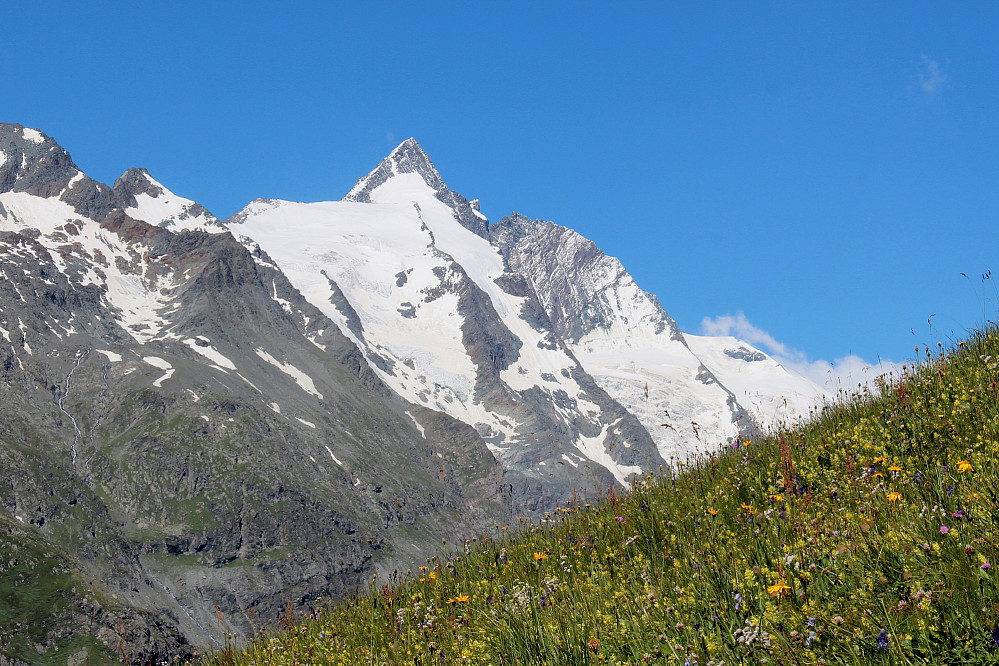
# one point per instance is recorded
(35, 164)
(146, 200)
(407, 157)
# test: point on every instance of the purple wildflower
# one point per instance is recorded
(881, 642)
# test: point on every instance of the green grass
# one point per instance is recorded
(37, 592)
(868, 535)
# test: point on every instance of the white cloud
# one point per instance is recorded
(930, 77)
(739, 327)
(847, 373)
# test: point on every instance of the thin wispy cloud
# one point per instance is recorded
(845, 373)
(931, 77)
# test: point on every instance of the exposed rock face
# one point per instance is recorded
(200, 421)
(577, 284)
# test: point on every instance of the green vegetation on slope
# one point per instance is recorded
(867, 536)
(39, 592)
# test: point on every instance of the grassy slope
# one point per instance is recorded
(40, 620)
(867, 536)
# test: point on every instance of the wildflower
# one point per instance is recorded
(944, 529)
(540, 556)
(964, 466)
(986, 566)
(460, 599)
(894, 468)
(894, 497)
(431, 575)
(776, 497)
(712, 511)
(619, 519)
(778, 589)
(881, 642)
(593, 645)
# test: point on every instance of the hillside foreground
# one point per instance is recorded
(868, 535)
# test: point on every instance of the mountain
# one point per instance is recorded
(522, 328)
(204, 421)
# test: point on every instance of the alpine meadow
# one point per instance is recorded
(867, 535)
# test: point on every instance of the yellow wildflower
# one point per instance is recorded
(778, 589)
(964, 466)
(540, 556)
(894, 497)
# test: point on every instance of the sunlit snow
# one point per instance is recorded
(158, 362)
(211, 354)
(302, 379)
(32, 135)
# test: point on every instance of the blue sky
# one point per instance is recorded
(812, 175)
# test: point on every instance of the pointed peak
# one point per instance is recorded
(407, 157)
(408, 145)
(136, 181)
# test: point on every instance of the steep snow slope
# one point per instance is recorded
(688, 398)
(148, 201)
(392, 273)
(767, 390)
